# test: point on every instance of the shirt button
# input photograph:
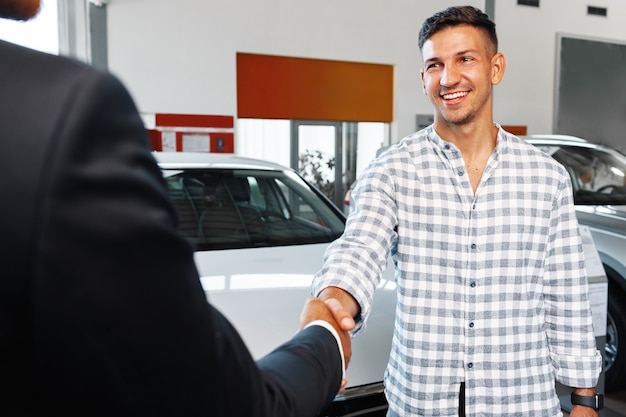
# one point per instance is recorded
(470, 365)
(447, 146)
(473, 246)
(461, 172)
(471, 324)
(472, 284)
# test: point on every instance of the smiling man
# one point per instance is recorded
(492, 288)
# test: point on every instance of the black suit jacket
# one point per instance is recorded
(101, 309)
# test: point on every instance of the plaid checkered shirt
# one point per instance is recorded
(491, 286)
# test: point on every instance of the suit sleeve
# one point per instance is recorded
(299, 378)
(303, 370)
(120, 323)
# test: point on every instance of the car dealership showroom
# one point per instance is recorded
(264, 115)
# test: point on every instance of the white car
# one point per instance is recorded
(260, 232)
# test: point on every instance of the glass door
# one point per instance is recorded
(316, 152)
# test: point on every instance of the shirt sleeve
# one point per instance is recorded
(355, 262)
(569, 327)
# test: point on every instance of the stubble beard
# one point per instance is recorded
(456, 118)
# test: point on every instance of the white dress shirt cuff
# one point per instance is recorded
(332, 330)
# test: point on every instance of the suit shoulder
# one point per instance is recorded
(41, 83)
(25, 70)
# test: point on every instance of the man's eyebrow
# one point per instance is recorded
(433, 59)
(457, 54)
(467, 51)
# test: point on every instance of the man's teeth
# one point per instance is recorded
(454, 95)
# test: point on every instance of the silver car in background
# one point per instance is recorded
(598, 176)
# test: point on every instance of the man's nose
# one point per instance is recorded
(449, 76)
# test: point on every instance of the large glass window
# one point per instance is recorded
(317, 147)
(40, 33)
(264, 139)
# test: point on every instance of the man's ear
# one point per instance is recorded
(498, 65)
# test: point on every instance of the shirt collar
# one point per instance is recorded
(445, 145)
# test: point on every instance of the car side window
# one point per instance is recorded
(227, 209)
(598, 176)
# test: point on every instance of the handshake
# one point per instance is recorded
(338, 309)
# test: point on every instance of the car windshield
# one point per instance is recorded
(226, 209)
(598, 174)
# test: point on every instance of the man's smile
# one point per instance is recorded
(452, 96)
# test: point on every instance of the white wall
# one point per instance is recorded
(527, 36)
(179, 56)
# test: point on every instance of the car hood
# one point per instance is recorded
(262, 292)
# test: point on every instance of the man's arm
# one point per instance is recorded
(569, 325)
(581, 410)
(573, 351)
(119, 311)
(301, 377)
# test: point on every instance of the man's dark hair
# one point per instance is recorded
(454, 16)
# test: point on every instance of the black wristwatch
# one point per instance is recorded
(594, 401)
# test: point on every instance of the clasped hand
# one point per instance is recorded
(332, 312)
